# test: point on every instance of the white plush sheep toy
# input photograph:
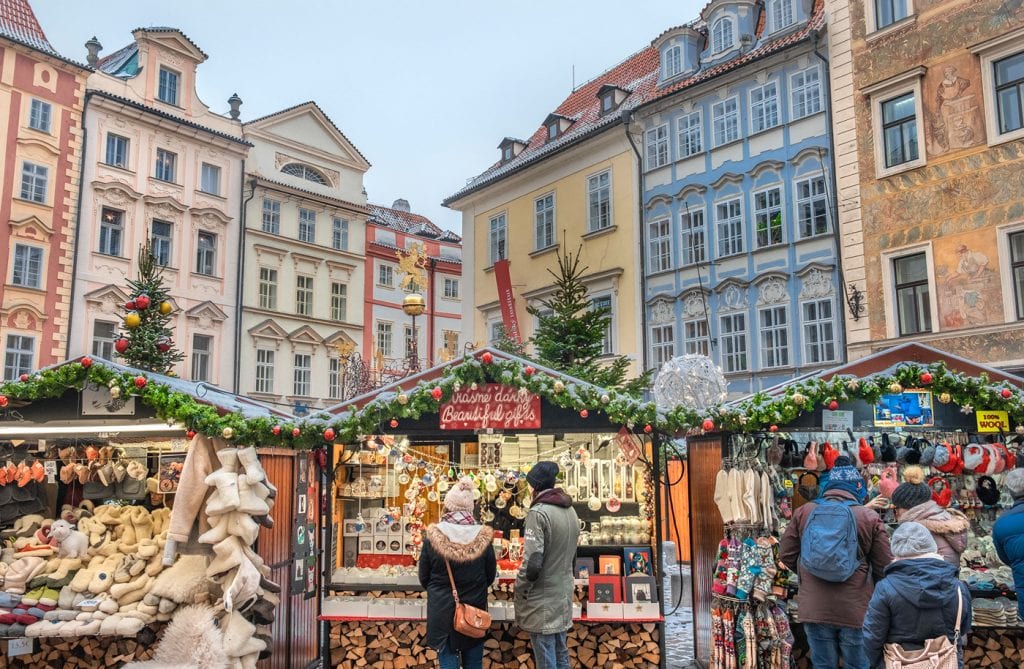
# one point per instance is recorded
(70, 542)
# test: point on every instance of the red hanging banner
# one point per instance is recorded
(491, 405)
(506, 300)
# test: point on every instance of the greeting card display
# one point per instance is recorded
(584, 568)
(605, 589)
(610, 565)
(637, 560)
(640, 588)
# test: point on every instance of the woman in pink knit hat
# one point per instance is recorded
(462, 544)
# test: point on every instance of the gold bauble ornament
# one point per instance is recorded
(799, 399)
(132, 321)
(165, 308)
(403, 398)
(115, 392)
(895, 388)
(945, 398)
(227, 433)
(559, 386)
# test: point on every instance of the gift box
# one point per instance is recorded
(381, 608)
(414, 609)
(346, 607)
(604, 611)
(641, 611)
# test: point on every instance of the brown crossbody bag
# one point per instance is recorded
(469, 620)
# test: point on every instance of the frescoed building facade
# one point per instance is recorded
(739, 238)
(933, 111)
(160, 167)
(389, 332)
(41, 94)
(303, 265)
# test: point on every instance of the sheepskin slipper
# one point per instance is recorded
(238, 636)
(184, 582)
(193, 639)
(9, 600)
(229, 554)
(251, 462)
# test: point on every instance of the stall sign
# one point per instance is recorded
(20, 646)
(96, 401)
(491, 405)
(836, 421)
(911, 408)
(992, 421)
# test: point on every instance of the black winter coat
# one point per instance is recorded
(916, 601)
(474, 568)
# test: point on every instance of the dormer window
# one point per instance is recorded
(507, 154)
(305, 172)
(552, 130)
(510, 148)
(167, 89)
(555, 125)
(607, 102)
(722, 34)
(780, 15)
(671, 62)
(611, 97)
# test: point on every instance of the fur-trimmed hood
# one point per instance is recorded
(457, 543)
(937, 519)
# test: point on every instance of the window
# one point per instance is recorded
(672, 62)
(307, 225)
(506, 154)
(206, 253)
(384, 339)
(271, 216)
(339, 234)
(1017, 269)
(34, 180)
(805, 89)
(695, 336)
(689, 134)
(913, 306)
(39, 115)
(663, 346)
(721, 34)
(268, 288)
(166, 165)
(729, 225)
(111, 231)
(304, 172)
(811, 207)
(780, 14)
(304, 295)
(819, 332)
(202, 348)
(210, 180)
(693, 238)
(301, 375)
(28, 266)
(104, 334)
(552, 130)
(19, 356)
(499, 229)
(160, 240)
(451, 288)
(167, 91)
(725, 117)
(1009, 80)
(599, 201)
(774, 337)
(386, 276)
(497, 333)
(117, 150)
(657, 147)
(607, 102)
(734, 343)
(899, 130)
(659, 245)
(451, 341)
(410, 342)
(888, 12)
(764, 107)
(264, 370)
(768, 216)
(334, 380)
(339, 301)
(544, 221)
(605, 302)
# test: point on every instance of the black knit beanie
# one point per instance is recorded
(909, 495)
(542, 475)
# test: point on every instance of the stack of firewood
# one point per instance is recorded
(91, 652)
(997, 648)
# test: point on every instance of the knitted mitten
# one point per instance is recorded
(732, 570)
(766, 560)
(718, 585)
(750, 569)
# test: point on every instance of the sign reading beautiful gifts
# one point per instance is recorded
(491, 405)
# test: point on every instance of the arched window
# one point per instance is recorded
(305, 172)
(780, 14)
(671, 62)
(721, 34)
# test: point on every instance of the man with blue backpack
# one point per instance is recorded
(840, 549)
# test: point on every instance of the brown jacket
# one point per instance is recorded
(948, 527)
(840, 604)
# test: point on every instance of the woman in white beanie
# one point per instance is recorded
(458, 542)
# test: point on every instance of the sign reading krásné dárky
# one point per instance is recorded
(491, 406)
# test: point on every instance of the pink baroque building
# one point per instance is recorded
(41, 96)
(161, 167)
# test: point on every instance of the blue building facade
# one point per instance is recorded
(739, 237)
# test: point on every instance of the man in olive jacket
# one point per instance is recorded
(544, 586)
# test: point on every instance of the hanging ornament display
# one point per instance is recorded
(437, 393)
(559, 386)
(693, 381)
(87, 362)
(584, 413)
(895, 388)
(393, 423)
(296, 432)
(132, 321)
(165, 307)
(329, 434)
(926, 378)
(228, 433)
(142, 302)
(121, 345)
(487, 358)
(140, 382)
(1006, 393)
(708, 425)
(190, 435)
(945, 398)
(276, 430)
(594, 503)
(833, 405)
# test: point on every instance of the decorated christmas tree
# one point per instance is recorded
(570, 336)
(145, 340)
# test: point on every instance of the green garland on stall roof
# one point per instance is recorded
(756, 413)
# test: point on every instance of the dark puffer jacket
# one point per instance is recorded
(916, 601)
(1008, 536)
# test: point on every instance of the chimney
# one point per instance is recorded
(94, 47)
(235, 103)
(401, 204)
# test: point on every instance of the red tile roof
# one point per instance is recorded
(410, 223)
(18, 23)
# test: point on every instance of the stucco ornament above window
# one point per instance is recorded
(305, 172)
(692, 381)
(693, 305)
(661, 313)
(816, 284)
(733, 298)
(772, 291)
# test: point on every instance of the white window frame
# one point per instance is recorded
(809, 201)
(1004, 250)
(160, 86)
(731, 338)
(780, 209)
(410, 337)
(384, 334)
(544, 224)
(892, 328)
(663, 344)
(871, 26)
(693, 252)
(603, 196)
(819, 324)
(656, 143)
(267, 290)
(606, 300)
(209, 178)
(498, 237)
(107, 228)
(18, 359)
(271, 216)
(668, 59)
(988, 53)
(685, 136)
(264, 378)
(339, 233)
(385, 275)
(737, 247)
(659, 248)
(162, 246)
(784, 7)
(40, 115)
(302, 375)
(35, 183)
(720, 42)
(103, 345)
(451, 288)
(727, 119)
(775, 338)
(115, 141)
(804, 88)
(765, 104)
(334, 379)
(166, 161)
(206, 254)
(307, 226)
(23, 274)
(907, 82)
(339, 301)
(304, 287)
(696, 336)
(202, 358)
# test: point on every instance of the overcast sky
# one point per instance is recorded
(425, 89)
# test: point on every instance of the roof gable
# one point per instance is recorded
(307, 124)
(18, 23)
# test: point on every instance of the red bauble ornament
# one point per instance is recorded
(833, 405)
(773, 428)
(3, 401)
(163, 345)
(648, 429)
(436, 393)
(529, 371)
(87, 362)
(121, 345)
(487, 358)
(130, 305)
(926, 377)
(584, 413)
(296, 432)
(140, 382)
(276, 430)
(142, 302)
(708, 425)
(1006, 393)
(191, 434)
(24, 378)
(394, 422)
(329, 434)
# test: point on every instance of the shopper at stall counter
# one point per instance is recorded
(466, 546)
(833, 613)
(914, 503)
(917, 601)
(1008, 534)
(544, 585)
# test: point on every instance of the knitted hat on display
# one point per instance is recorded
(844, 476)
(460, 497)
(912, 540)
(1015, 483)
(542, 476)
(913, 490)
